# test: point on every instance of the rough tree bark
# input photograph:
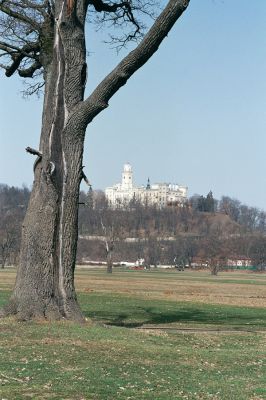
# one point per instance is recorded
(44, 285)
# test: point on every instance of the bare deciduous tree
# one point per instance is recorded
(109, 241)
(7, 242)
(9, 236)
(47, 37)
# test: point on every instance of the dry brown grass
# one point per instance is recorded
(193, 287)
(178, 287)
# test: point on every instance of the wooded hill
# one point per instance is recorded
(204, 227)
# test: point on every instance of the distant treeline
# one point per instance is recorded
(204, 227)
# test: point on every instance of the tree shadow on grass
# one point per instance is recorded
(152, 316)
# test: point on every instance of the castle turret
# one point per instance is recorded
(127, 177)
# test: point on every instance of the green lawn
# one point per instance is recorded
(112, 356)
(126, 311)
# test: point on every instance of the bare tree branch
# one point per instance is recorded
(26, 4)
(33, 88)
(84, 177)
(24, 35)
(18, 16)
(98, 100)
(26, 51)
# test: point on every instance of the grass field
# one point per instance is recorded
(149, 335)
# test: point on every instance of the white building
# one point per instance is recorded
(161, 194)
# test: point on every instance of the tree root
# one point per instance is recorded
(42, 310)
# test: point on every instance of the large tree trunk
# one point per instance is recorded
(45, 279)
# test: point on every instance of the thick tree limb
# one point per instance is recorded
(29, 72)
(25, 50)
(29, 50)
(33, 151)
(99, 6)
(8, 48)
(38, 159)
(98, 100)
(17, 58)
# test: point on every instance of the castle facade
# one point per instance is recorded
(160, 194)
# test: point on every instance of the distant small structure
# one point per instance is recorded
(239, 262)
(234, 262)
(160, 194)
(198, 263)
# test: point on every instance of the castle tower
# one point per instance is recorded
(127, 177)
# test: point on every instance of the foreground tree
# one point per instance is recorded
(47, 37)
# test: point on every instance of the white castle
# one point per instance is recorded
(161, 194)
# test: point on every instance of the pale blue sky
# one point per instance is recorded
(195, 114)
